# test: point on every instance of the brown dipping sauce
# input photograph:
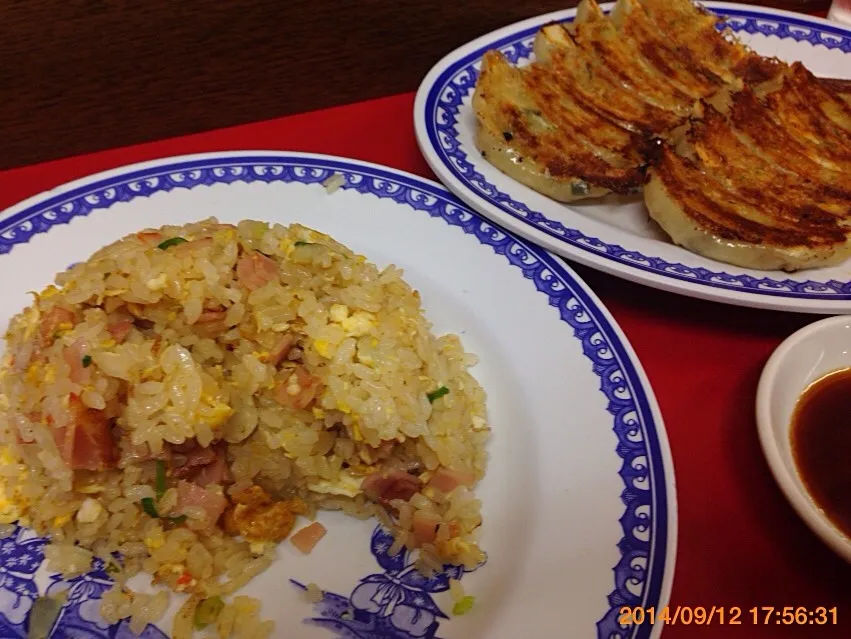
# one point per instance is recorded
(821, 445)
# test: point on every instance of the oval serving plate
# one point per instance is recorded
(618, 238)
(579, 496)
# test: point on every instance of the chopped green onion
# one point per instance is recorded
(112, 567)
(208, 612)
(172, 241)
(300, 243)
(44, 613)
(464, 606)
(160, 479)
(176, 520)
(437, 394)
(149, 507)
(87, 361)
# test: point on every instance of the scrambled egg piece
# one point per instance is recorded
(359, 323)
(348, 485)
(213, 412)
(34, 372)
(338, 313)
(323, 347)
(452, 547)
(89, 511)
(344, 407)
(61, 520)
(154, 539)
(6, 457)
(64, 328)
(49, 291)
(356, 434)
(354, 324)
(150, 371)
(9, 510)
(479, 423)
(31, 317)
(286, 246)
(224, 236)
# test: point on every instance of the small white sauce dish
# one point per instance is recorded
(803, 358)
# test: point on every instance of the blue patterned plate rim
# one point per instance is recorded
(452, 79)
(589, 320)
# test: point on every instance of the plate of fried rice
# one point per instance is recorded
(266, 394)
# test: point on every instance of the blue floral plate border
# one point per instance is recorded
(394, 602)
(437, 113)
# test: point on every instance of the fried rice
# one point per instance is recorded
(189, 396)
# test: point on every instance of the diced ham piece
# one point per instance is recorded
(85, 442)
(187, 446)
(282, 349)
(446, 479)
(203, 466)
(189, 494)
(193, 245)
(211, 323)
(255, 270)
(213, 473)
(150, 237)
(73, 355)
(425, 526)
(119, 329)
(387, 485)
(307, 538)
(299, 390)
(211, 316)
(200, 456)
(186, 464)
(50, 322)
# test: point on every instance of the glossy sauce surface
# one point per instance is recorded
(821, 445)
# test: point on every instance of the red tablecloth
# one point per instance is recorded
(740, 543)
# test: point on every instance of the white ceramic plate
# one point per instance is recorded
(579, 500)
(618, 238)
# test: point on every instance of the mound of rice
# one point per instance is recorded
(183, 400)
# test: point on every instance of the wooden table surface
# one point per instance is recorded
(79, 76)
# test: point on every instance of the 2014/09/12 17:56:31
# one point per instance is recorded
(731, 616)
